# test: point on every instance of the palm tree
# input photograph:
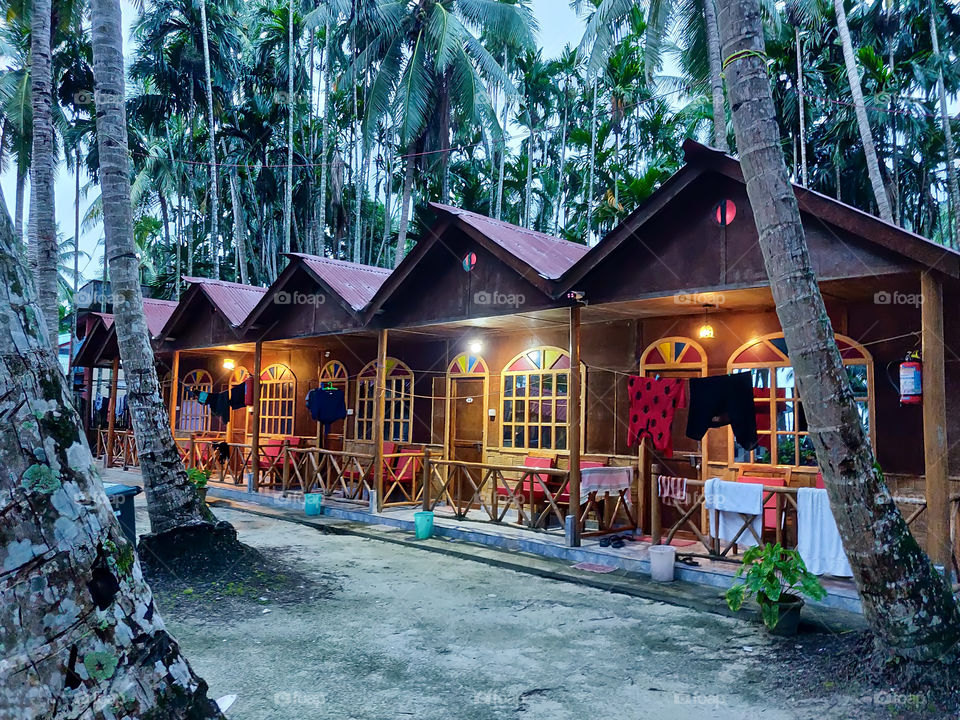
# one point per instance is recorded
(43, 224)
(212, 142)
(908, 604)
(863, 123)
(172, 503)
(945, 123)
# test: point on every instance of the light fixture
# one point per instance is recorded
(475, 346)
(706, 330)
(229, 363)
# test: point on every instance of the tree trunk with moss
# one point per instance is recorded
(908, 604)
(80, 633)
(172, 502)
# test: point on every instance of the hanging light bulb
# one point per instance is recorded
(706, 330)
(229, 363)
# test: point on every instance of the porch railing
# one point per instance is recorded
(345, 475)
(124, 451)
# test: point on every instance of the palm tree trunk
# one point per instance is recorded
(593, 162)
(945, 123)
(801, 110)
(164, 217)
(526, 203)
(171, 500)
(112, 630)
(860, 108)
(387, 193)
(561, 189)
(178, 221)
(322, 230)
(288, 190)
(358, 204)
(211, 131)
(43, 222)
(239, 233)
(716, 77)
(76, 246)
(908, 605)
(503, 140)
(18, 209)
(405, 211)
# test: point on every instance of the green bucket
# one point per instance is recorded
(423, 524)
(313, 503)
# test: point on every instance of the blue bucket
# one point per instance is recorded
(423, 524)
(313, 503)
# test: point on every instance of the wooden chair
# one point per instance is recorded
(771, 476)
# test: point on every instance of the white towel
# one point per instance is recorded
(729, 500)
(818, 539)
(672, 488)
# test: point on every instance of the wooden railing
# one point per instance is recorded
(124, 448)
(539, 496)
(335, 473)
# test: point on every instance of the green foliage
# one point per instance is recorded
(769, 573)
(198, 478)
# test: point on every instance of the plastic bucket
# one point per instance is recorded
(423, 524)
(662, 558)
(313, 503)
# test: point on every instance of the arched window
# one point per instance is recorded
(781, 422)
(193, 416)
(397, 406)
(534, 400)
(674, 357)
(278, 394)
(334, 373)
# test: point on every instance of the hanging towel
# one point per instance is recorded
(219, 404)
(248, 391)
(672, 488)
(818, 539)
(729, 500)
(723, 400)
(653, 402)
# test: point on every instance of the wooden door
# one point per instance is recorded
(467, 425)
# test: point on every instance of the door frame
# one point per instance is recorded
(448, 415)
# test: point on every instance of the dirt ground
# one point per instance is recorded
(350, 628)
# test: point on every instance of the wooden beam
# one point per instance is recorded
(378, 412)
(253, 484)
(112, 412)
(935, 421)
(573, 424)
(174, 390)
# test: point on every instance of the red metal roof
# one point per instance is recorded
(550, 256)
(157, 312)
(234, 300)
(354, 282)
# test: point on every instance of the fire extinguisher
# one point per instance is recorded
(911, 379)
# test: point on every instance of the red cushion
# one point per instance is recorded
(819, 482)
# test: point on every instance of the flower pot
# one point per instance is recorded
(789, 620)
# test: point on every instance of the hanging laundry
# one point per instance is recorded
(672, 488)
(223, 452)
(723, 400)
(818, 540)
(219, 404)
(733, 505)
(653, 402)
(248, 391)
(327, 405)
(238, 397)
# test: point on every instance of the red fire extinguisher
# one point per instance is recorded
(911, 380)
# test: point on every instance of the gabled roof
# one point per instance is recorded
(157, 312)
(353, 282)
(550, 256)
(701, 159)
(234, 300)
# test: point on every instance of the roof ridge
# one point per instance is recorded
(504, 223)
(338, 261)
(228, 283)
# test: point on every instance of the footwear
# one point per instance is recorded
(687, 560)
(604, 542)
(617, 543)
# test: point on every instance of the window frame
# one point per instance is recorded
(198, 380)
(394, 403)
(866, 360)
(277, 408)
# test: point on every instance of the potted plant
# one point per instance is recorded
(777, 577)
(199, 478)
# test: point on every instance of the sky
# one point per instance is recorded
(559, 26)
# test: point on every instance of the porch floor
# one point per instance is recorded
(632, 559)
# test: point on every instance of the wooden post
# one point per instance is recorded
(174, 388)
(656, 530)
(573, 425)
(286, 465)
(425, 482)
(253, 484)
(379, 408)
(112, 412)
(935, 421)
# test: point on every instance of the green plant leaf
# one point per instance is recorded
(770, 612)
(735, 596)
